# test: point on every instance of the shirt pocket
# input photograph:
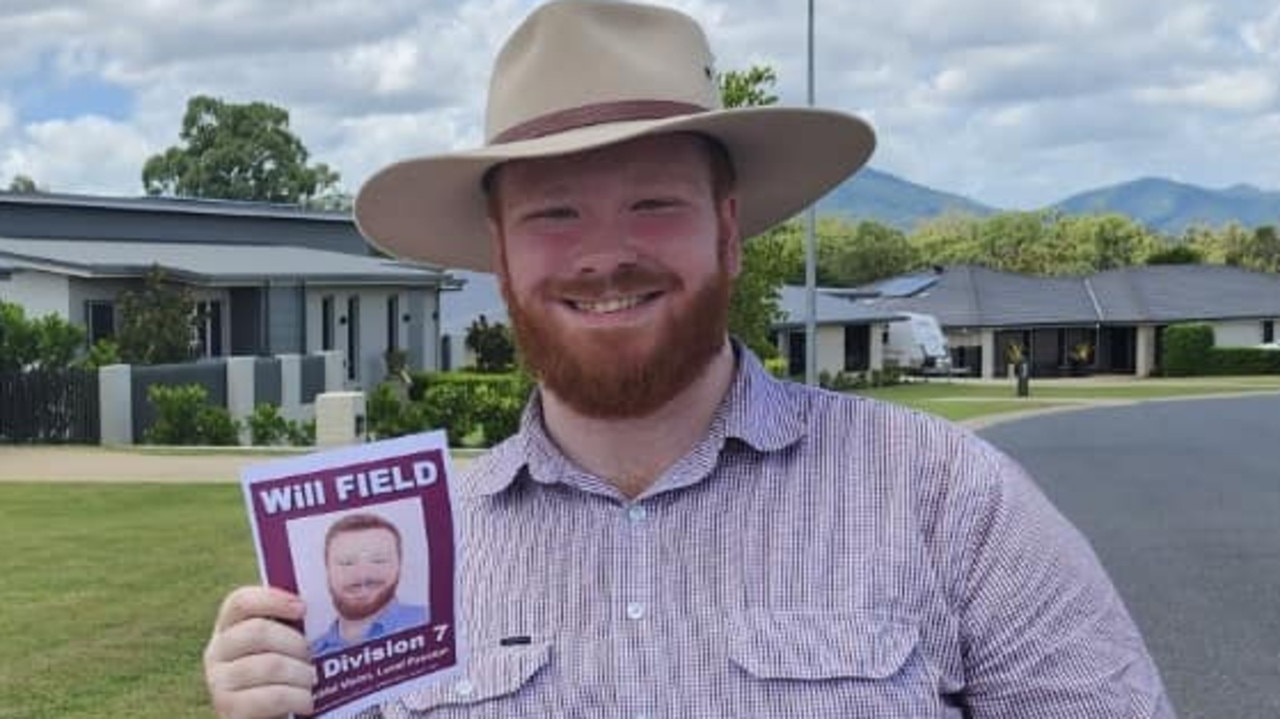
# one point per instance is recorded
(492, 681)
(856, 664)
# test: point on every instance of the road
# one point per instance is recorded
(1181, 500)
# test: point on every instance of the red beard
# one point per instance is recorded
(355, 610)
(605, 374)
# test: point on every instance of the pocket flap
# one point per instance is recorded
(487, 675)
(820, 645)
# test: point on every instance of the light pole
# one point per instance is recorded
(810, 259)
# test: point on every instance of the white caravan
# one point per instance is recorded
(917, 344)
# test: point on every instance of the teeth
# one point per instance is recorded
(604, 307)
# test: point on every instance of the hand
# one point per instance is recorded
(255, 666)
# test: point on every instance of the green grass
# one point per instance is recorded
(965, 400)
(109, 594)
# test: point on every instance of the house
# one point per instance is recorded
(850, 337)
(266, 279)
(1110, 321)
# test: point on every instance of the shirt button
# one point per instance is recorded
(464, 688)
(635, 610)
(637, 513)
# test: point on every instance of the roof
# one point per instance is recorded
(187, 205)
(1172, 293)
(208, 263)
(970, 296)
(828, 310)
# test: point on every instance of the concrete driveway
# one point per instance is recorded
(1181, 500)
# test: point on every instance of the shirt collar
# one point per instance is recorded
(759, 410)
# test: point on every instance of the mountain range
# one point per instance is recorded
(1161, 204)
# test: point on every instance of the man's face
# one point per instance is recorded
(617, 266)
(364, 571)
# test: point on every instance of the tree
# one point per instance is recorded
(24, 185)
(49, 342)
(1181, 254)
(237, 152)
(492, 344)
(754, 306)
(155, 321)
(748, 88)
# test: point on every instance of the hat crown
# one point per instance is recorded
(579, 62)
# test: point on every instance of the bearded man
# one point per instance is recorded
(672, 532)
(362, 559)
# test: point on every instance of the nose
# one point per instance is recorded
(603, 248)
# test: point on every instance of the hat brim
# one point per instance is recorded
(432, 209)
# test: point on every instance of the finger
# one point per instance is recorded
(261, 670)
(267, 702)
(247, 602)
(257, 636)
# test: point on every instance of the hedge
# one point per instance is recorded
(1186, 350)
(1243, 360)
(472, 407)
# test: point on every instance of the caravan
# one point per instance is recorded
(917, 345)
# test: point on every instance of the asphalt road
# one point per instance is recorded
(1181, 500)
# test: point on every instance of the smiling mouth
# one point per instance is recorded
(611, 305)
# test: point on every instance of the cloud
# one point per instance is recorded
(1017, 102)
(88, 154)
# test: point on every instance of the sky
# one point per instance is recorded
(1014, 103)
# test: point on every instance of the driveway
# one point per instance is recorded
(1182, 503)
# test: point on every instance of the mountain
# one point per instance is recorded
(875, 195)
(1171, 207)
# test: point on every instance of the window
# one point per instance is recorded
(207, 329)
(326, 322)
(393, 322)
(1268, 331)
(100, 318)
(353, 337)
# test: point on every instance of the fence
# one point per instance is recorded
(53, 406)
(290, 382)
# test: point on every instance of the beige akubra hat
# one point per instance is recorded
(579, 75)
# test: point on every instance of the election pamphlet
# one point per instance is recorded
(365, 535)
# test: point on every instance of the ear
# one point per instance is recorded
(495, 247)
(727, 219)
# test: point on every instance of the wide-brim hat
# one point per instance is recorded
(583, 74)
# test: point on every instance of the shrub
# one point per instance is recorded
(777, 367)
(1243, 360)
(1186, 350)
(184, 417)
(266, 426)
(463, 404)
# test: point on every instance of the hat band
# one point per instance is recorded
(595, 114)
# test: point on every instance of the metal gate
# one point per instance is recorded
(49, 406)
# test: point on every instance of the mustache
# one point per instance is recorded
(625, 280)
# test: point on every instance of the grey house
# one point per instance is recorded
(266, 279)
(1115, 320)
(849, 336)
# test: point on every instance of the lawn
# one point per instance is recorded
(964, 400)
(109, 593)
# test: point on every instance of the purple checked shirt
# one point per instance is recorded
(814, 555)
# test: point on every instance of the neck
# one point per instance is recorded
(632, 453)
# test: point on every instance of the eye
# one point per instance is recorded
(655, 203)
(561, 212)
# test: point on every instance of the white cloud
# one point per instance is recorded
(88, 154)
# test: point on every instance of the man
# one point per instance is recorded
(672, 532)
(362, 558)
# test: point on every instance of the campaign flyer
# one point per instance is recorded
(365, 535)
